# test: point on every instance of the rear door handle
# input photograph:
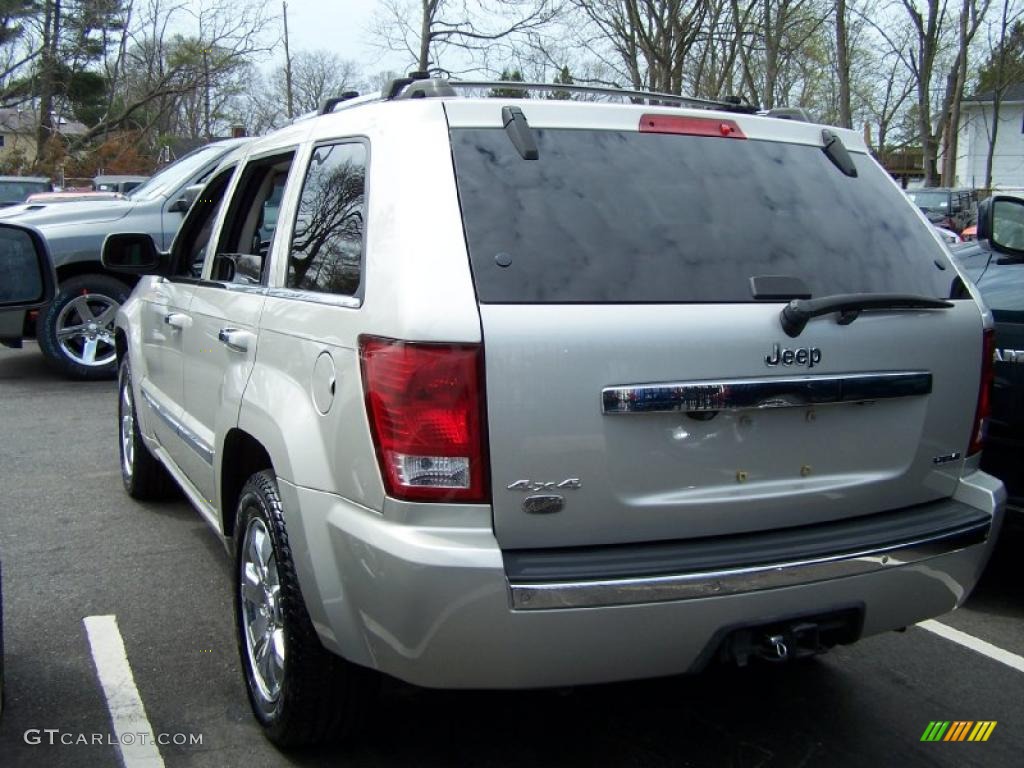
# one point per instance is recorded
(236, 339)
(177, 320)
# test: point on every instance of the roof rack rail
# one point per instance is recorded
(419, 85)
(441, 87)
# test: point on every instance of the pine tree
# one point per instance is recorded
(513, 76)
(562, 78)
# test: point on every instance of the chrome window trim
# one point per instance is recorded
(734, 581)
(190, 438)
(313, 297)
(761, 393)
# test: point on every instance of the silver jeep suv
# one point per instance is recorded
(505, 393)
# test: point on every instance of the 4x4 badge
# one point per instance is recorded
(570, 483)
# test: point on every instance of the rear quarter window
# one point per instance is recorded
(625, 217)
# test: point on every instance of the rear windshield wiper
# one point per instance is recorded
(795, 315)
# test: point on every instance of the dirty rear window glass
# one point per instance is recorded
(625, 217)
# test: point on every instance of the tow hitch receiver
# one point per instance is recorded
(793, 639)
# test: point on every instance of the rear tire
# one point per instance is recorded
(300, 693)
(143, 475)
(77, 332)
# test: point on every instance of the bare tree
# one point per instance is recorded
(884, 97)
(165, 78)
(928, 25)
(713, 69)
(972, 12)
(317, 75)
(472, 32)
(652, 39)
(843, 65)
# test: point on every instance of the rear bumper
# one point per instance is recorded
(435, 606)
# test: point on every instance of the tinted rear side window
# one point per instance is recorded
(327, 242)
(621, 217)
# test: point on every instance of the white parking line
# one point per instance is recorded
(970, 641)
(131, 725)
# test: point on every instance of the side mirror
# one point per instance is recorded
(132, 253)
(1001, 222)
(183, 203)
(27, 278)
(223, 268)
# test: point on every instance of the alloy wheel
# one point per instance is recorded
(85, 329)
(262, 619)
(127, 428)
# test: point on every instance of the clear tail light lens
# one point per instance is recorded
(425, 404)
(984, 409)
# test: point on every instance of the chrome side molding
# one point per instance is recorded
(656, 589)
(190, 438)
(777, 392)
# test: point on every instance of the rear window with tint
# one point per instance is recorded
(624, 217)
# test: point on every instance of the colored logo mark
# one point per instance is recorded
(958, 730)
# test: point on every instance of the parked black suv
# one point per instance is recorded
(952, 209)
(995, 262)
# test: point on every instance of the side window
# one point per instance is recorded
(327, 242)
(191, 243)
(243, 252)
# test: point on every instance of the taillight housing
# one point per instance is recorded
(425, 405)
(984, 409)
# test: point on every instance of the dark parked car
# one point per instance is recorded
(15, 189)
(27, 280)
(76, 331)
(952, 209)
(995, 262)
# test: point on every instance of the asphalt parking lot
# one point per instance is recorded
(73, 545)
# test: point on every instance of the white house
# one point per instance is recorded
(975, 132)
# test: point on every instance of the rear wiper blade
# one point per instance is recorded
(795, 315)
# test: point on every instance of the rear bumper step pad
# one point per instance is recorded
(579, 577)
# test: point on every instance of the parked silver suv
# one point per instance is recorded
(504, 393)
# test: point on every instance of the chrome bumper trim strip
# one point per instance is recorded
(591, 594)
(740, 394)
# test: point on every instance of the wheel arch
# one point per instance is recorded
(241, 457)
(90, 267)
(120, 344)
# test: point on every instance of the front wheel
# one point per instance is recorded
(77, 332)
(143, 475)
(300, 693)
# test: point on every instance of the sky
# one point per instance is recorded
(339, 26)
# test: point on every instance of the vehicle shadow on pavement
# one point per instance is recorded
(28, 365)
(1000, 591)
(763, 714)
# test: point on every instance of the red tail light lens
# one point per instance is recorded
(984, 409)
(425, 403)
(691, 126)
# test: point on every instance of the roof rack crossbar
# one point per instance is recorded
(733, 104)
(328, 105)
